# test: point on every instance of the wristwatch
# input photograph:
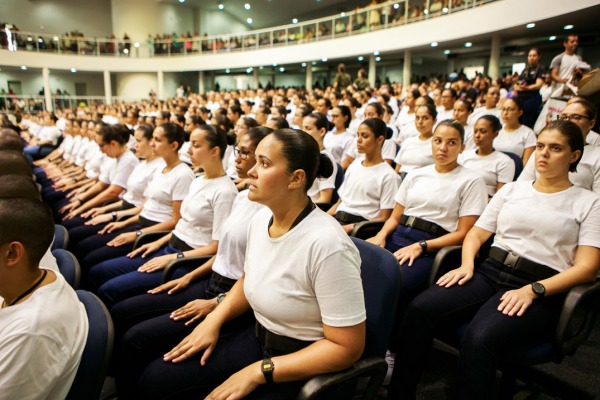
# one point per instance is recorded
(139, 233)
(221, 297)
(423, 245)
(267, 367)
(114, 215)
(538, 289)
(180, 255)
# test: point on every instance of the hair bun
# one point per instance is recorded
(325, 168)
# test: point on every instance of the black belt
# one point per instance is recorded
(277, 345)
(223, 282)
(513, 262)
(422, 225)
(125, 205)
(179, 244)
(145, 222)
(348, 218)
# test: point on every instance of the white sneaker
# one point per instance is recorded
(390, 359)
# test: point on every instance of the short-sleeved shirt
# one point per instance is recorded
(494, 168)
(338, 145)
(529, 76)
(516, 141)
(139, 180)
(120, 170)
(320, 184)
(164, 190)
(414, 153)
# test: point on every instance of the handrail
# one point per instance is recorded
(339, 25)
(34, 104)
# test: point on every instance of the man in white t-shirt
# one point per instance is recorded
(40, 345)
(565, 66)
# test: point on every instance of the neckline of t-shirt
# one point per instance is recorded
(289, 232)
(550, 194)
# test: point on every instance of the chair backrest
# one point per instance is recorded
(96, 354)
(518, 163)
(381, 279)
(61, 237)
(68, 265)
(339, 179)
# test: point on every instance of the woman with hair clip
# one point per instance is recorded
(321, 191)
(98, 217)
(168, 313)
(339, 140)
(203, 212)
(160, 211)
(112, 182)
(415, 151)
(314, 322)
(509, 306)
(514, 137)
(495, 167)
(369, 184)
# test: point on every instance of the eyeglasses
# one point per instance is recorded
(508, 110)
(573, 117)
(243, 153)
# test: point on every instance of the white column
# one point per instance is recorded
(47, 89)
(161, 85)
(107, 88)
(201, 88)
(494, 67)
(406, 69)
(256, 81)
(309, 77)
(372, 71)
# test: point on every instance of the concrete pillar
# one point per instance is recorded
(406, 69)
(160, 85)
(107, 88)
(201, 88)
(309, 77)
(211, 83)
(451, 65)
(372, 71)
(494, 66)
(47, 89)
(256, 80)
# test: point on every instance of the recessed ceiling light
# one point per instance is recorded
(445, 10)
(249, 20)
(468, 44)
(126, 51)
(551, 38)
(247, 6)
(73, 70)
(342, 14)
(314, 63)
(434, 44)
(24, 68)
(377, 59)
(396, 6)
(295, 21)
(281, 69)
(446, 52)
(275, 64)
(324, 59)
(304, 64)
(360, 58)
(136, 45)
(221, 6)
(425, 12)
(375, 53)
(530, 25)
(568, 27)
(261, 67)
(227, 71)
(182, 1)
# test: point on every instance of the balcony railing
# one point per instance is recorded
(383, 16)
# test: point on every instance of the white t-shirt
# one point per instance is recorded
(414, 153)
(442, 198)
(388, 150)
(543, 227)
(50, 134)
(41, 343)
(94, 162)
(339, 144)
(120, 170)
(234, 237)
(406, 125)
(323, 183)
(139, 180)
(229, 163)
(593, 138)
(204, 210)
(469, 141)
(588, 170)
(164, 190)
(306, 278)
(183, 153)
(83, 150)
(444, 114)
(494, 168)
(481, 111)
(66, 145)
(71, 153)
(516, 141)
(368, 190)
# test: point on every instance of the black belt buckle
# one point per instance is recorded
(511, 260)
(410, 220)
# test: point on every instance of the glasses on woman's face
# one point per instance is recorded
(242, 153)
(573, 117)
(508, 110)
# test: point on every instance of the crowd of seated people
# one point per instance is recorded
(223, 176)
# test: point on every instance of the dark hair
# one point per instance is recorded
(18, 186)
(455, 125)
(19, 217)
(346, 113)
(281, 123)
(378, 127)
(536, 50)
(517, 101)
(122, 132)
(302, 152)
(431, 110)
(415, 93)
(196, 120)
(452, 92)
(216, 138)
(53, 117)
(173, 133)
(320, 121)
(305, 109)
(492, 120)
(258, 133)
(223, 122)
(355, 103)
(236, 109)
(281, 110)
(10, 140)
(180, 118)
(572, 132)
(466, 104)
(377, 107)
(146, 131)
(164, 115)
(327, 101)
(264, 109)
(249, 122)
(14, 162)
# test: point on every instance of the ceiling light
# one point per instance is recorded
(425, 12)
(182, 1)
(221, 6)
(249, 20)
(568, 27)
(446, 52)
(377, 59)
(24, 68)
(342, 14)
(468, 44)
(126, 51)
(73, 70)
(434, 44)
(530, 25)
(295, 21)
(314, 63)
(247, 6)
(281, 69)
(551, 38)
(275, 64)
(324, 59)
(445, 10)
(261, 67)
(396, 6)
(375, 53)
(304, 64)
(360, 58)
(227, 71)
(136, 45)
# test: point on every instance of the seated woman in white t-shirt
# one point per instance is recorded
(192, 123)
(462, 112)
(405, 122)
(490, 107)
(203, 212)
(309, 297)
(415, 152)
(369, 184)
(583, 113)
(435, 207)
(315, 124)
(514, 137)
(170, 312)
(339, 140)
(495, 167)
(240, 129)
(509, 308)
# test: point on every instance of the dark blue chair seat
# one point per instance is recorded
(68, 267)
